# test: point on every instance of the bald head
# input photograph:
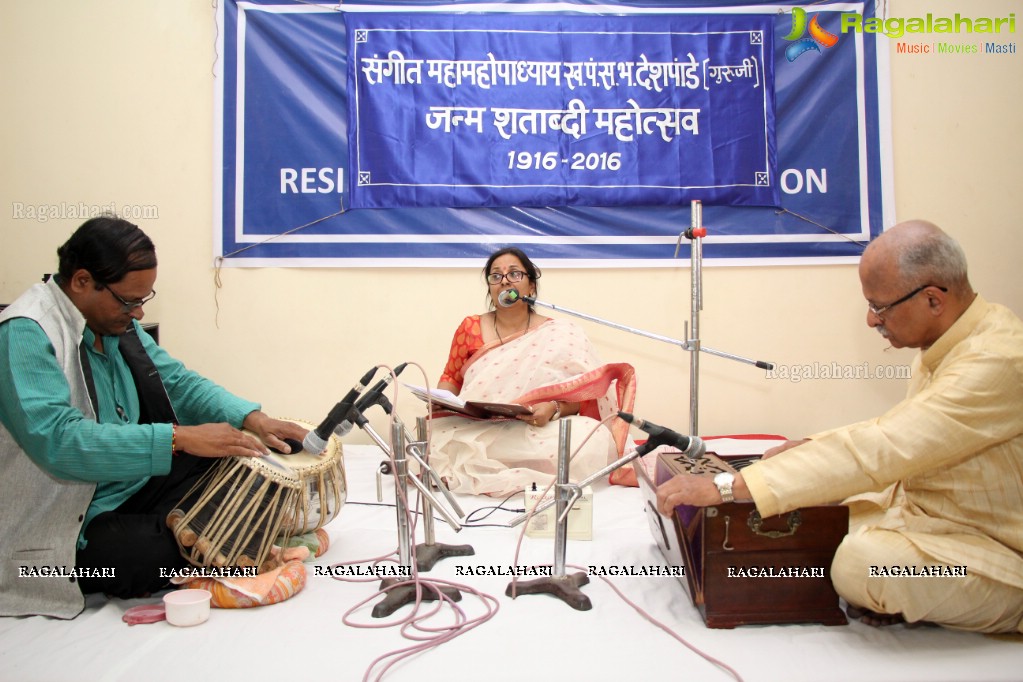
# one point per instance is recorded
(914, 279)
(917, 252)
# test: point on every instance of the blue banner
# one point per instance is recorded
(283, 168)
(463, 110)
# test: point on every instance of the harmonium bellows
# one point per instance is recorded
(741, 569)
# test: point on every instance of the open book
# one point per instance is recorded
(473, 408)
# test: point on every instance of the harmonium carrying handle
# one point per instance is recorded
(755, 523)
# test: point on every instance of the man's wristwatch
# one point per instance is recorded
(724, 482)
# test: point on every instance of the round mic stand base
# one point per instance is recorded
(564, 587)
(401, 591)
(428, 555)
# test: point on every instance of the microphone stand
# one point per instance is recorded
(430, 552)
(401, 591)
(597, 475)
(694, 234)
(564, 587)
(693, 344)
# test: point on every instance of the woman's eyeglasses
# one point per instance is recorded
(513, 277)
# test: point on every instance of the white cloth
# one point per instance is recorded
(501, 456)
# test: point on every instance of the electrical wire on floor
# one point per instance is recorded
(646, 616)
(470, 521)
(415, 626)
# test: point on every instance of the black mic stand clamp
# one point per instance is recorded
(564, 587)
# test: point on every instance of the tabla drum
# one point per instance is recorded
(322, 487)
(239, 508)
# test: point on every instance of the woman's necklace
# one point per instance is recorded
(529, 317)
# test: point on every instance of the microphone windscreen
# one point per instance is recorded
(313, 444)
(508, 297)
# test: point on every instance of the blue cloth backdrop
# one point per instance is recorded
(464, 110)
(289, 180)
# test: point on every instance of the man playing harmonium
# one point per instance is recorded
(101, 431)
(935, 485)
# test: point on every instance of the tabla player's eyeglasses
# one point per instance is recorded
(129, 306)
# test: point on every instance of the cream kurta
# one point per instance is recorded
(945, 464)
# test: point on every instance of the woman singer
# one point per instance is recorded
(513, 354)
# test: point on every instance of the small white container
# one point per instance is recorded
(187, 607)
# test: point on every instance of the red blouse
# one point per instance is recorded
(467, 340)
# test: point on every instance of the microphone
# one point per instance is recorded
(316, 440)
(371, 397)
(692, 446)
(509, 297)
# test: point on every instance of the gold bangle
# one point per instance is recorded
(557, 410)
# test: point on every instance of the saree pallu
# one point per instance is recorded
(554, 361)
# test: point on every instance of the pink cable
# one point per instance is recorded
(674, 635)
(518, 545)
(414, 622)
(435, 636)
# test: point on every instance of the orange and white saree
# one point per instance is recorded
(554, 361)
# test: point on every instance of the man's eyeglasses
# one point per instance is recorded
(129, 306)
(513, 276)
(878, 311)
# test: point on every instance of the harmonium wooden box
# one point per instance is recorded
(741, 569)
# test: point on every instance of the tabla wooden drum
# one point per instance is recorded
(237, 511)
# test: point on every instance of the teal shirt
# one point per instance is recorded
(115, 452)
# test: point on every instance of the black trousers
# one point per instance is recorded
(134, 539)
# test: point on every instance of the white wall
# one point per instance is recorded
(111, 101)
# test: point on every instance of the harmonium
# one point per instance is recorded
(741, 569)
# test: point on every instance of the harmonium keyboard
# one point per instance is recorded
(740, 568)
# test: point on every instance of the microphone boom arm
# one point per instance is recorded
(684, 345)
(551, 501)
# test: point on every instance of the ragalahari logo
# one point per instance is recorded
(818, 36)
